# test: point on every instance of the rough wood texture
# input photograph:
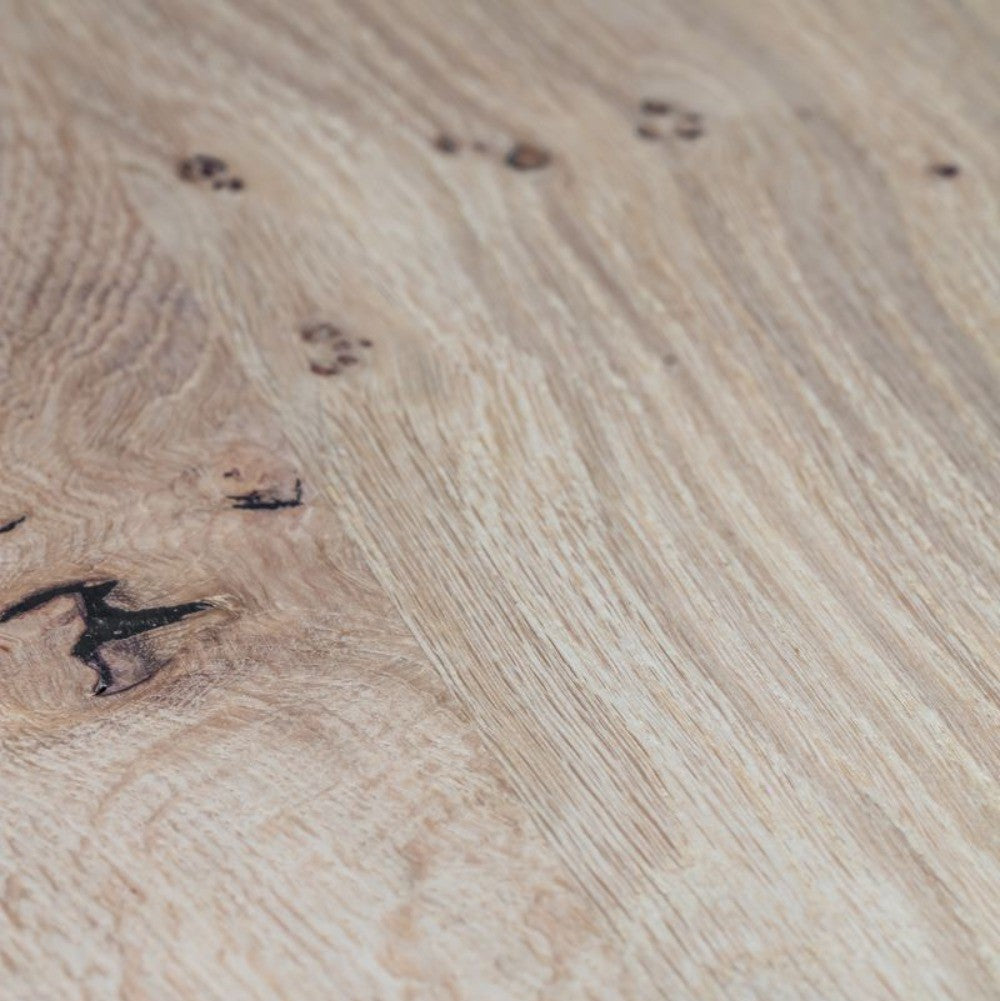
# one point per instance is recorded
(581, 419)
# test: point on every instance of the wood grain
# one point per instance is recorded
(581, 422)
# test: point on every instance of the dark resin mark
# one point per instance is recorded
(654, 106)
(525, 156)
(647, 132)
(319, 369)
(320, 333)
(670, 359)
(446, 144)
(11, 525)
(334, 349)
(946, 169)
(230, 474)
(267, 500)
(690, 126)
(201, 166)
(104, 623)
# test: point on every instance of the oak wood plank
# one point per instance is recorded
(571, 432)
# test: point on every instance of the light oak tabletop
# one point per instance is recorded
(498, 500)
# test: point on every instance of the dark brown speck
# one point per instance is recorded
(690, 125)
(201, 165)
(318, 369)
(946, 169)
(525, 156)
(322, 333)
(654, 106)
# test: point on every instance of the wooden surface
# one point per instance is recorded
(611, 610)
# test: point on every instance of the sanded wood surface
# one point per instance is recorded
(523, 477)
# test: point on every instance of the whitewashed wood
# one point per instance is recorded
(636, 634)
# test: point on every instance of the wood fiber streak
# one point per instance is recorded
(575, 426)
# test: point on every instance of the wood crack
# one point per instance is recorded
(267, 500)
(104, 623)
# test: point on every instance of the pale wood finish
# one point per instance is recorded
(636, 636)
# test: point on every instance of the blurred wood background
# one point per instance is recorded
(577, 423)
